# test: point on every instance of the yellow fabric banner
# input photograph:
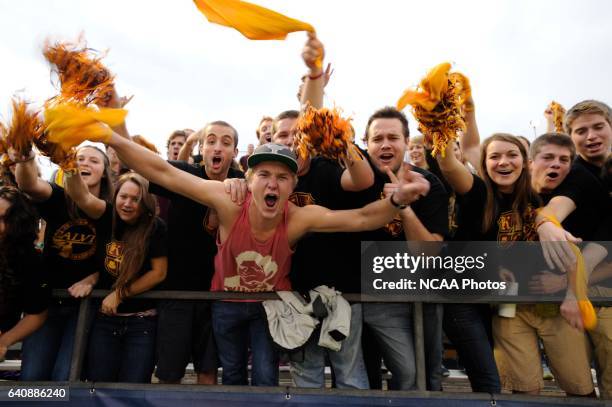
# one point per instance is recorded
(253, 21)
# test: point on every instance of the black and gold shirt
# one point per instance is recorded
(71, 244)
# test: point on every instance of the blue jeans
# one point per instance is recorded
(347, 364)
(468, 326)
(47, 353)
(238, 326)
(392, 328)
(122, 349)
(432, 331)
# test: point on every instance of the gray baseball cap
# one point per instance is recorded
(273, 152)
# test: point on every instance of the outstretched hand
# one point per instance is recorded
(407, 186)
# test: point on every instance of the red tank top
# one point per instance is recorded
(245, 264)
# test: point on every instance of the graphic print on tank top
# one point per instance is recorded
(255, 273)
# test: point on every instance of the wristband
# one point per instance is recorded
(312, 78)
(543, 221)
(395, 204)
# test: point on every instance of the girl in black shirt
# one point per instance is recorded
(23, 285)
(122, 341)
(72, 238)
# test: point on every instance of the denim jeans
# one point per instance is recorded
(47, 353)
(238, 326)
(432, 331)
(347, 364)
(468, 326)
(392, 329)
(122, 349)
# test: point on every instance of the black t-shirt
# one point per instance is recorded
(71, 244)
(432, 209)
(24, 288)
(504, 228)
(586, 188)
(113, 255)
(192, 239)
(325, 258)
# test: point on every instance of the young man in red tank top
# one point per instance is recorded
(256, 241)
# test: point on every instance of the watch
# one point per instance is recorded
(395, 204)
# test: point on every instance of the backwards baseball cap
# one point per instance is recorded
(273, 152)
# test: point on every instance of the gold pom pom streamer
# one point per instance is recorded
(83, 78)
(558, 116)
(324, 132)
(25, 127)
(436, 105)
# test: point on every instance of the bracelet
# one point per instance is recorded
(395, 204)
(312, 78)
(540, 223)
(30, 158)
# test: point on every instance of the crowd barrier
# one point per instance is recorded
(121, 394)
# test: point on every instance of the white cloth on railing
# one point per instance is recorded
(291, 320)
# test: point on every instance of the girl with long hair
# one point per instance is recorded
(23, 282)
(72, 237)
(502, 191)
(122, 341)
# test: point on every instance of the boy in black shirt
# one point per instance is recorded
(424, 220)
(579, 203)
(184, 327)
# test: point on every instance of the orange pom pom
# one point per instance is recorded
(323, 132)
(25, 126)
(82, 76)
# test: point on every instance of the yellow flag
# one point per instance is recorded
(69, 125)
(579, 283)
(253, 21)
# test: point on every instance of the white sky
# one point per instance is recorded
(184, 71)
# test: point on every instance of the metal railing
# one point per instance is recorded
(80, 343)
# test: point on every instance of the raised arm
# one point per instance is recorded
(157, 170)
(187, 148)
(78, 191)
(470, 141)
(457, 175)
(315, 81)
(358, 174)
(26, 175)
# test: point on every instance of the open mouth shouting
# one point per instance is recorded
(85, 173)
(270, 200)
(553, 175)
(217, 161)
(386, 158)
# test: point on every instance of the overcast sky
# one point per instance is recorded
(184, 71)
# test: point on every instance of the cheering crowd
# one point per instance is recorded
(125, 220)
